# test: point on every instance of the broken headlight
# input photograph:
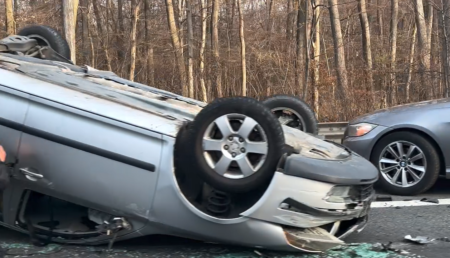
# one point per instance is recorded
(360, 129)
(339, 194)
(349, 194)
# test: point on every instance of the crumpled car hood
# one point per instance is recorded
(313, 147)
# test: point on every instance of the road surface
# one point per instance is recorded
(390, 222)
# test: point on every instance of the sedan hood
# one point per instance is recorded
(376, 116)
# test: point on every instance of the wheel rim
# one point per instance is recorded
(402, 164)
(235, 146)
(294, 119)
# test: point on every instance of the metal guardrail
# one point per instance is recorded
(333, 131)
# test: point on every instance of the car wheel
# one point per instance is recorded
(234, 144)
(408, 163)
(47, 36)
(293, 112)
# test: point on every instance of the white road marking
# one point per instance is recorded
(412, 203)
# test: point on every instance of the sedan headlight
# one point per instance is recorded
(360, 129)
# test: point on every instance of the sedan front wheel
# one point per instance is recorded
(408, 163)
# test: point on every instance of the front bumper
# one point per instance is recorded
(299, 206)
(300, 202)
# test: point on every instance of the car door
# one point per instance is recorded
(13, 109)
(88, 159)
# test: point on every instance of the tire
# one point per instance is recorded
(47, 36)
(307, 120)
(202, 162)
(432, 163)
(191, 187)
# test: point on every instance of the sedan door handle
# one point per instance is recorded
(31, 175)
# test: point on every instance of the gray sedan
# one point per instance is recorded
(409, 144)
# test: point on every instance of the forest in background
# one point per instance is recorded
(344, 57)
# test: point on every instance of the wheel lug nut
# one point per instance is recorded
(241, 139)
(233, 154)
(225, 147)
(230, 138)
(242, 149)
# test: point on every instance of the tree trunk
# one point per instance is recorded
(393, 49)
(90, 34)
(445, 31)
(10, 23)
(380, 19)
(176, 46)
(150, 67)
(339, 51)
(215, 47)
(269, 17)
(190, 49)
(84, 30)
(300, 46)
(429, 23)
(316, 58)
(290, 19)
(411, 63)
(120, 36)
(136, 6)
(100, 26)
(424, 46)
(242, 38)
(308, 42)
(70, 8)
(367, 51)
(202, 50)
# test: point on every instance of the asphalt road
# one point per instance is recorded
(389, 223)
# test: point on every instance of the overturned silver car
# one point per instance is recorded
(94, 158)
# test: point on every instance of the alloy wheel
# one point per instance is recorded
(235, 146)
(402, 164)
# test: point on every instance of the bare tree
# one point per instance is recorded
(190, 49)
(300, 46)
(100, 26)
(136, 7)
(393, 48)
(424, 46)
(242, 38)
(367, 51)
(316, 45)
(411, 62)
(10, 23)
(202, 50)
(380, 19)
(176, 46)
(444, 19)
(339, 51)
(150, 60)
(70, 9)
(216, 46)
(290, 19)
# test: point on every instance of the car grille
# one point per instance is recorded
(363, 192)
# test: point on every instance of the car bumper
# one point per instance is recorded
(309, 221)
(363, 145)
